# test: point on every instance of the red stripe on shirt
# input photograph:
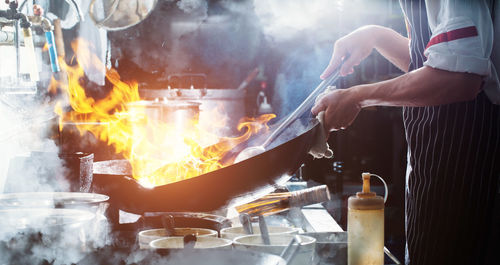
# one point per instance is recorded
(453, 35)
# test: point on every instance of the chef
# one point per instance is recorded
(449, 94)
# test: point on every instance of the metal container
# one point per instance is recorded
(331, 247)
(57, 236)
(237, 231)
(73, 200)
(180, 113)
(181, 257)
(304, 254)
(201, 243)
(80, 170)
(147, 236)
(229, 103)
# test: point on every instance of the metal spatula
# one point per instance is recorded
(306, 105)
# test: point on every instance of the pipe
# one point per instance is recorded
(58, 34)
(47, 27)
(13, 14)
(49, 35)
(17, 43)
(30, 54)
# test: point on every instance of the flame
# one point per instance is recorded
(52, 89)
(159, 152)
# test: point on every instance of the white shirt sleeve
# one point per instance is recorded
(462, 36)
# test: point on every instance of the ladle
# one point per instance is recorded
(246, 223)
(168, 223)
(189, 241)
(289, 252)
(301, 109)
(264, 233)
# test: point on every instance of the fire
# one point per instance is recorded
(158, 151)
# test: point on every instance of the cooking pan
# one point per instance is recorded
(230, 186)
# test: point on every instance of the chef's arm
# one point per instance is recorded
(426, 86)
(423, 87)
(393, 46)
(353, 48)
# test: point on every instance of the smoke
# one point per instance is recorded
(48, 236)
(24, 137)
(193, 6)
(304, 31)
(286, 20)
(29, 162)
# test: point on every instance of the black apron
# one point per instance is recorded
(453, 168)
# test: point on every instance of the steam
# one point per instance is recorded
(192, 6)
(25, 128)
(54, 236)
(29, 162)
(286, 20)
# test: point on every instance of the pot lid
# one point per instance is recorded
(174, 104)
(49, 199)
(41, 218)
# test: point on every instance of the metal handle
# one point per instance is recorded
(264, 233)
(246, 223)
(168, 223)
(391, 256)
(289, 252)
(304, 106)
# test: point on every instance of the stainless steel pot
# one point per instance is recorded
(29, 235)
(181, 257)
(230, 103)
(331, 247)
(80, 215)
(180, 113)
(86, 201)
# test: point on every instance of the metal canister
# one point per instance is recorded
(179, 113)
(229, 103)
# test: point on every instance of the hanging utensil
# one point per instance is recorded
(249, 78)
(297, 113)
(189, 241)
(289, 252)
(168, 223)
(246, 223)
(264, 233)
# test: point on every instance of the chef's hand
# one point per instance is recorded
(352, 49)
(341, 107)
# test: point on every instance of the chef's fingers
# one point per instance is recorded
(339, 52)
(349, 63)
(328, 123)
(333, 121)
(319, 106)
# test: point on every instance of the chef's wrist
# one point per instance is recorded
(370, 35)
(379, 35)
(360, 95)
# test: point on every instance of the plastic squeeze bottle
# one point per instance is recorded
(365, 226)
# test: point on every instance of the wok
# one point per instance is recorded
(226, 187)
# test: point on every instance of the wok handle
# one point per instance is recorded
(303, 107)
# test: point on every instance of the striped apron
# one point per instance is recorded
(453, 168)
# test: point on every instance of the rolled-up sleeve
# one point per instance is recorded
(462, 37)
